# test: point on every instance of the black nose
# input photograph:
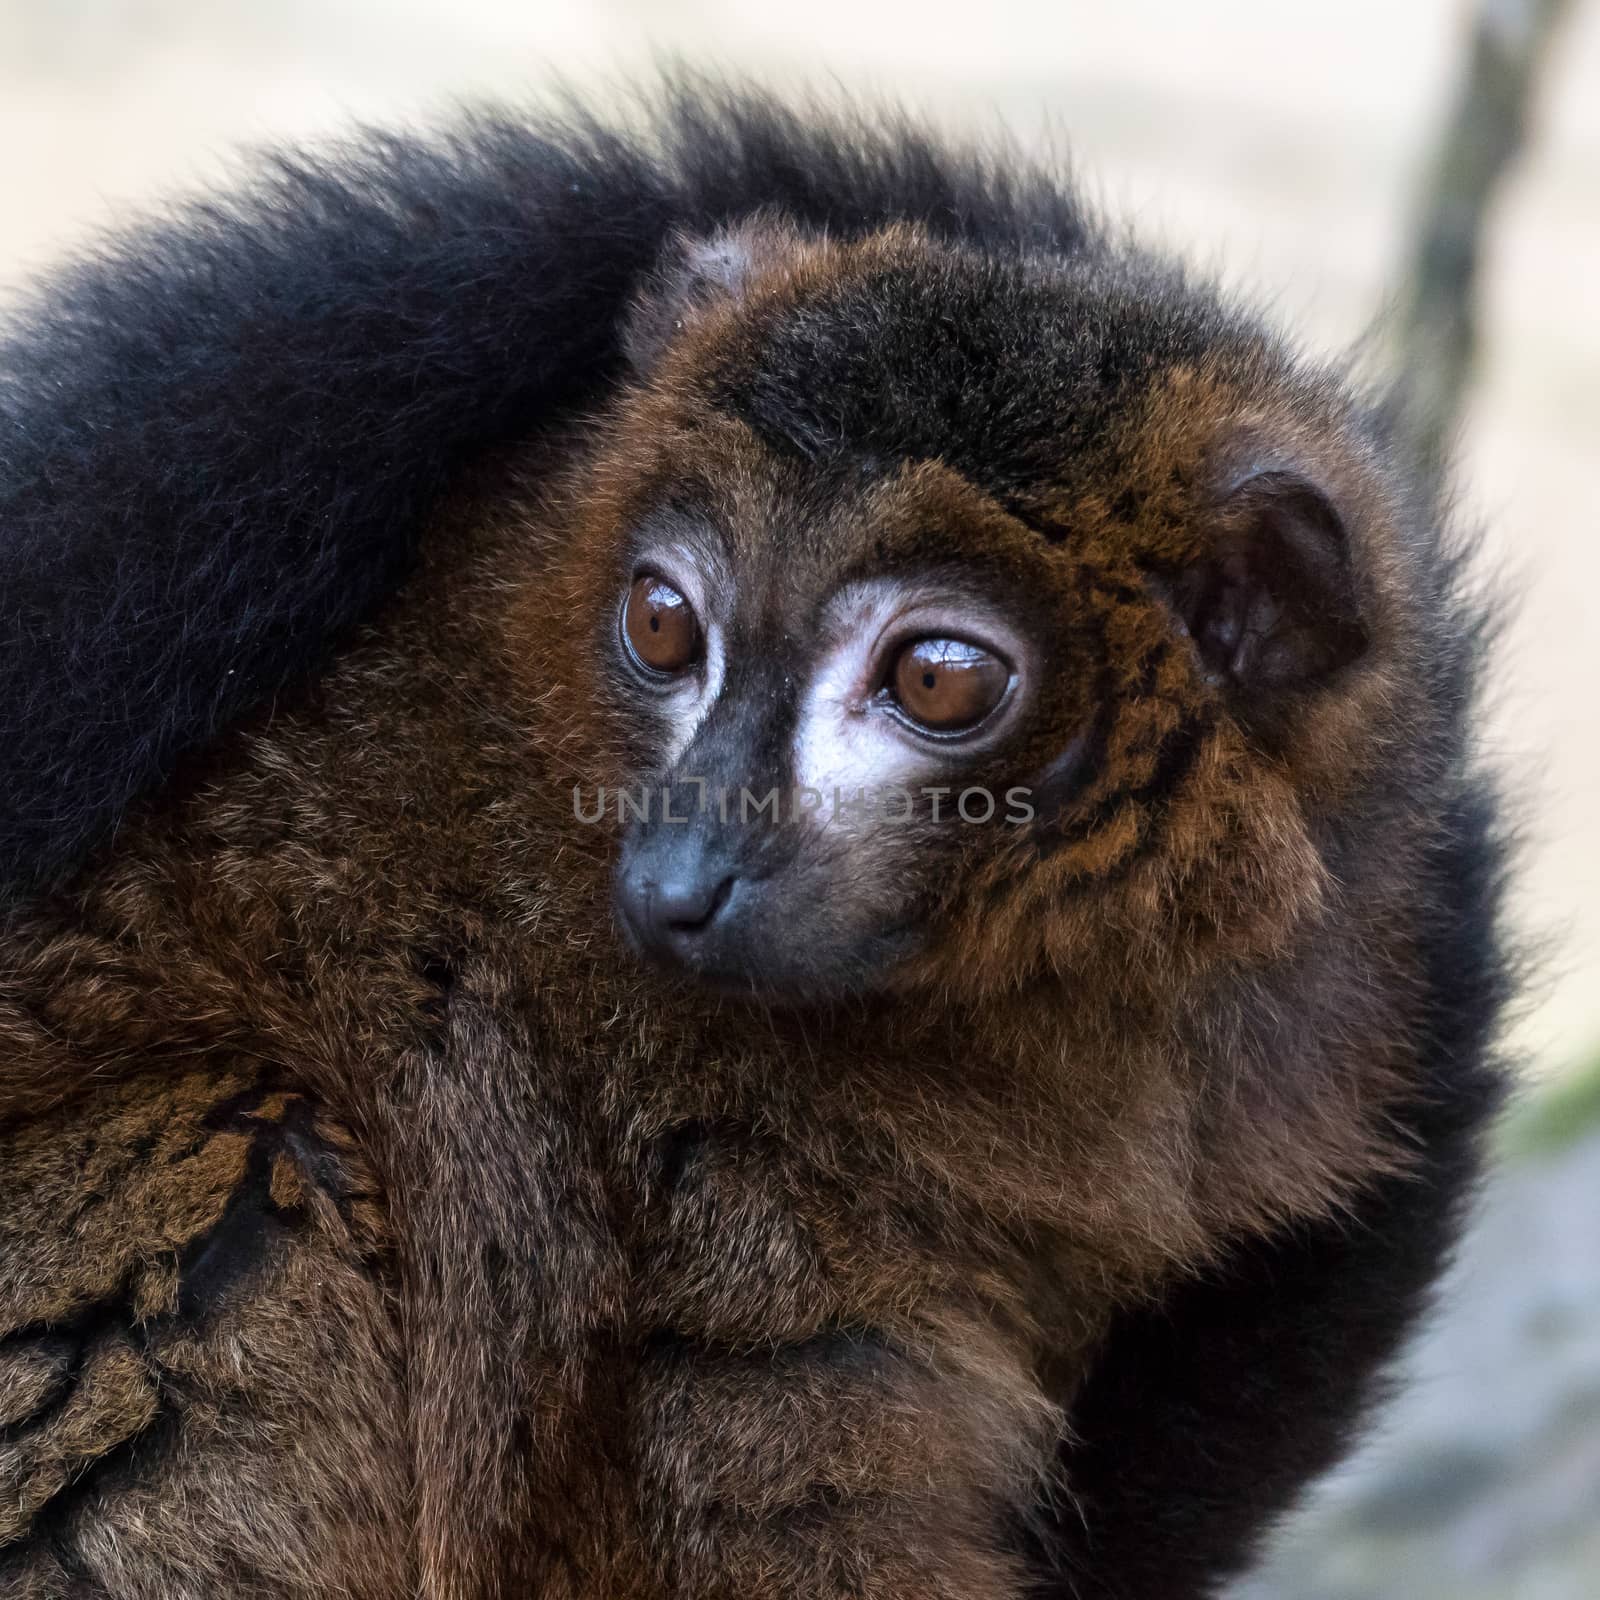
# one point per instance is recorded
(670, 906)
(688, 904)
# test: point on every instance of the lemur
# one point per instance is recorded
(477, 1118)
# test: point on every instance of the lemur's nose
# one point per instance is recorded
(672, 893)
(687, 904)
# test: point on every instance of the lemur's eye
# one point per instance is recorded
(660, 627)
(947, 685)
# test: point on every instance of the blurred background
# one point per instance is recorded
(1305, 152)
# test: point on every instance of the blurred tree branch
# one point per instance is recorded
(1484, 133)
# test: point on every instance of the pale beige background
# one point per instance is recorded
(1278, 142)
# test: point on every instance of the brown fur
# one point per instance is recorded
(569, 1279)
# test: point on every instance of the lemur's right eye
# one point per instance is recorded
(659, 626)
(946, 686)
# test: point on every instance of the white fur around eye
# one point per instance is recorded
(844, 739)
(688, 705)
(688, 702)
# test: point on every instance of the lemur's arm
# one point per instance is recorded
(1211, 1412)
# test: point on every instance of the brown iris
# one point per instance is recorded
(660, 626)
(947, 685)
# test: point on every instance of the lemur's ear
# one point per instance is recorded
(1271, 602)
(696, 273)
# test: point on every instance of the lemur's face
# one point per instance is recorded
(842, 709)
(939, 660)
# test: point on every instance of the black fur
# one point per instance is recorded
(220, 438)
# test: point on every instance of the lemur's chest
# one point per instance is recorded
(511, 1316)
(650, 1200)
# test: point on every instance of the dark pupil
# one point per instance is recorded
(655, 622)
(928, 680)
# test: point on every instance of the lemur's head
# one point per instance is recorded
(966, 616)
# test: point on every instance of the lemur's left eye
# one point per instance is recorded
(660, 627)
(947, 685)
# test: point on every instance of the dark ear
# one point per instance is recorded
(695, 274)
(1271, 603)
